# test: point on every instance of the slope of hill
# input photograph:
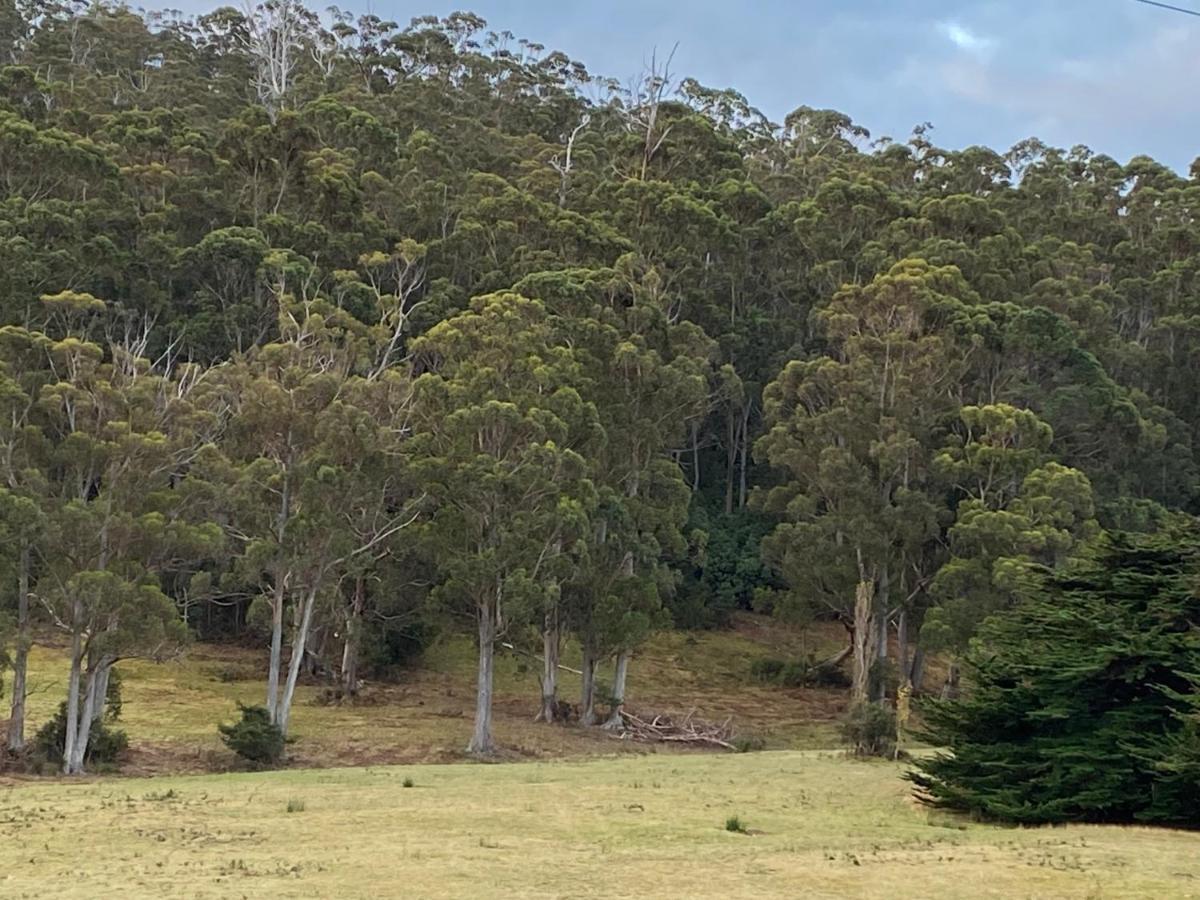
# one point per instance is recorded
(171, 710)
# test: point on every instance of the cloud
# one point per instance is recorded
(964, 38)
(1122, 99)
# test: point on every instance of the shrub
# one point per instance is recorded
(254, 737)
(749, 743)
(767, 669)
(734, 824)
(870, 728)
(387, 647)
(295, 806)
(408, 782)
(797, 673)
(105, 744)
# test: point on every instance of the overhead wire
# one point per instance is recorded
(1178, 9)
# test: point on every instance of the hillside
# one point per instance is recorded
(171, 710)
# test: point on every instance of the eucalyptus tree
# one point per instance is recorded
(852, 435)
(499, 425)
(312, 465)
(648, 377)
(24, 370)
(1019, 512)
(119, 437)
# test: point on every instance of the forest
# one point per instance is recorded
(332, 334)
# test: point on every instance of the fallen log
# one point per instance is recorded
(662, 728)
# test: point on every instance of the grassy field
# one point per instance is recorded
(820, 825)
(171, 711)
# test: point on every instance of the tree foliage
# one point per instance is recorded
(1081, 697)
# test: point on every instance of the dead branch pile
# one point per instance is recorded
(659, 727)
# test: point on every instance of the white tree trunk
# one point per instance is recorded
(16, 718)
(481, 739)
(299, 639)
(864, 639)
(276, 662)
(352, 642)
(72, 711)
(587, 697)
(93, 707)
(551, 646)
(618, 698)
(101, 698)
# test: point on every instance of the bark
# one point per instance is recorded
(284, 710)
(101, 698)
(838, 658)
(744, 452)
(916, 672)
(278, 596)
(731, 435)
(618, 698)
(551, 647)
(276, 662)
(587, 700)
(353, 638)
(882, 596)
(695, 461)
(93, 709)
(16, 718)
(864, 639)
(950, 688)
(72, 712)
(481, 738)
(902, 645)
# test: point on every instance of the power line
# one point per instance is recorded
(1179, 9)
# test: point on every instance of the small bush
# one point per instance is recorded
(734, 824)
(105, 744)
(797, 673)
(749, 743)
(254, 736)
(870, 728)
(295, 806)
(767, 669)
(408, 782)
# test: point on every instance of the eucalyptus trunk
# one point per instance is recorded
(353, 640)
(481, 738)
(587, 699)
(74, 676)
(882, 599)
(950, 688)
(731, 435)
(864, 640)
(16, 718)
(916, 672)
(284, 710)
(276, 661)
(551, 650)
(615, 719)
(93, 709)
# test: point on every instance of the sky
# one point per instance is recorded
(1119, 76)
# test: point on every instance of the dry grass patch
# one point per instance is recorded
(815, 826)
(171, 710)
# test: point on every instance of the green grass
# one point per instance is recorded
(652, 826)
(171, 710)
